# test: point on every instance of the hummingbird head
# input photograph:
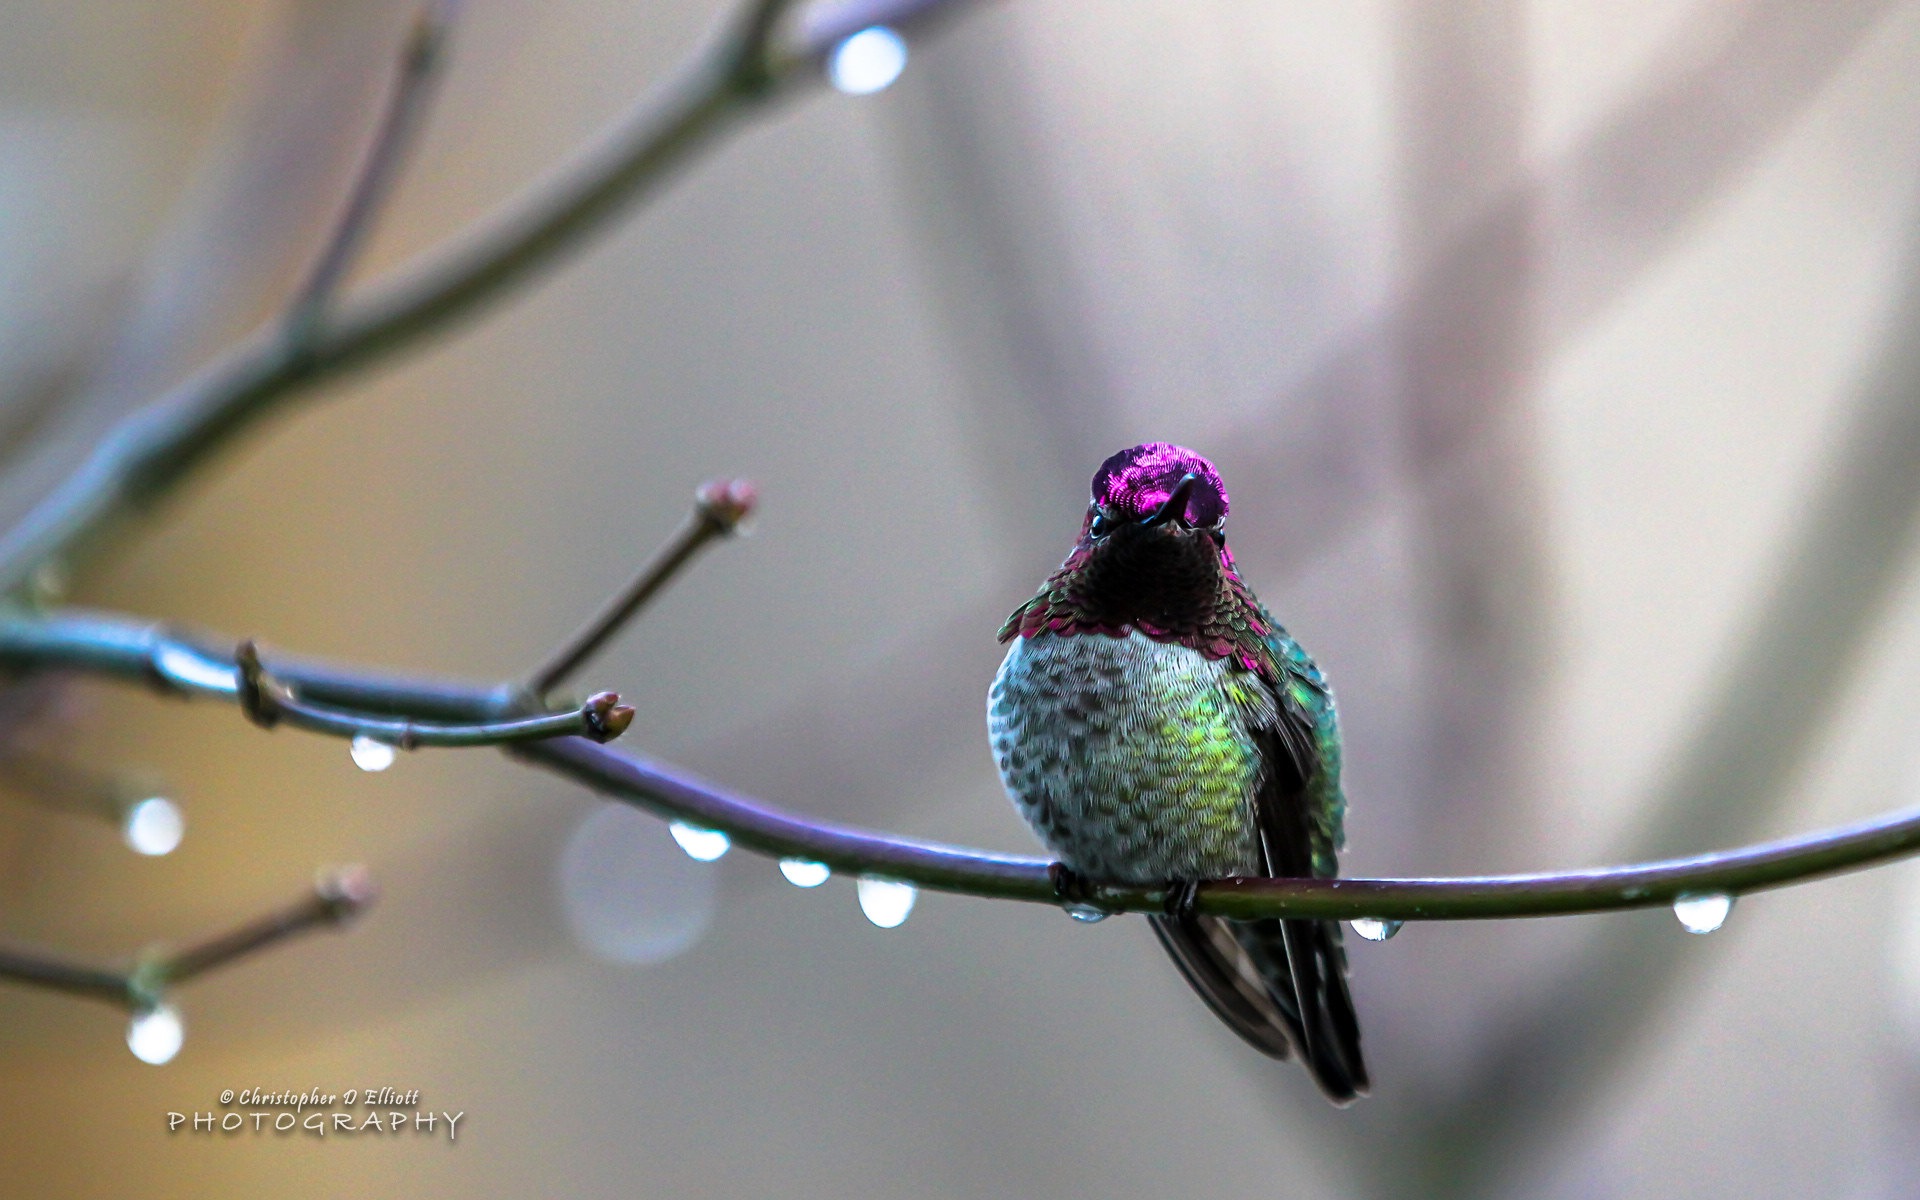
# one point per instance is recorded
(1153, 545)
(1152, 558)
(1157, 484)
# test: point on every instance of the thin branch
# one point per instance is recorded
(183, 664)
(752, 68)
(267, 701)
(44, 971)
(315, 697)
(122, 650)
(335, 899)
(671, 793)
(60, 786)
(407, 103)
(718, 509)
(147, 454)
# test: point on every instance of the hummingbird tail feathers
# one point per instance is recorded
(1280, 985)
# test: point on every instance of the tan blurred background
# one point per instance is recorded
(1555, 354)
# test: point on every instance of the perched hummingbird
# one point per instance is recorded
(1155, 725)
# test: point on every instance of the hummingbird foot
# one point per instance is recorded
(1069, 885)
(1182, 896)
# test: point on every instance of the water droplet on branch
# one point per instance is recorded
(1375, 929)
(370, 754)
(886, 902)
(868, 61)
(1703, 914)
(154, 826)
(801, 873)
(156, 1034)
(1086, 912)
(703, 845)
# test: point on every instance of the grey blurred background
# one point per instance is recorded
(1559, 356)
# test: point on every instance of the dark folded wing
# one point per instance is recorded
(1280, 985)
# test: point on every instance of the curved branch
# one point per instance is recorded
(672, 793)
(106, 646)
(151, 450)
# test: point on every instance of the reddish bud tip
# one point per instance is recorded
(726, 502)
(606, 717)
(346, 892)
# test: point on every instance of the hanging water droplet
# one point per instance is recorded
(1703, 914)
(868, 61)
(154, 826)
(703, 845)
(1086, 912)
(802, 873)
(1375, 929)
(155, 1034)
(886, 902)
(371, 755)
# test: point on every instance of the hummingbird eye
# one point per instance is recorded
(1102, 523)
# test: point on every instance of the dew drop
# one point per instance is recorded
(1375, 929)
(1086, 912)
(155, 1034)
(868, 61)
(702, 845)
(886, 902)
(1703, 914)
(154, 826)
(802, 873)
(370, 754)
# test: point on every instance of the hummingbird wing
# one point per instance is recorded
(1281, 984)
(1288, 815)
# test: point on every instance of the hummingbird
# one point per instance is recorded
(1155, 725)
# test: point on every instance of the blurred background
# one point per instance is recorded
(1560, 357)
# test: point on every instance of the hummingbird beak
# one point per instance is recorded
(1175, 505)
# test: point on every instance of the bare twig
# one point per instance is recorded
(753, 69)
(406, 109)
(266, 702)
(335, 899)
(718, 509)
(61, 786)
(312, 696)
(142, 458)
(45, 971)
